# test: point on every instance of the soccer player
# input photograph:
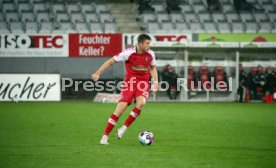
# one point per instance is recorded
(140, 66)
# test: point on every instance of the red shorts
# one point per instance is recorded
(130, 92)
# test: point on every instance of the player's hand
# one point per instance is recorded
(154, 87)
(95, 77)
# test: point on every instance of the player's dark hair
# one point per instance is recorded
(143, 37)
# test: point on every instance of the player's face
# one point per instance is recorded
(145, 46)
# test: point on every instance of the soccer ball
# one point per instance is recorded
(146, 137)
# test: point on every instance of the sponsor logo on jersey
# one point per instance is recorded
(139, 68)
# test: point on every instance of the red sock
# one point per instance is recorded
(132, 116)
(110, 124)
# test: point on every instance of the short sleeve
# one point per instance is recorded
(153, 62)
(123, 56)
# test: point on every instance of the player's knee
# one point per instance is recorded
(140, 105)
(118, 113)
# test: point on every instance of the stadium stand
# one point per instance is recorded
(197, 16)
(38, 16)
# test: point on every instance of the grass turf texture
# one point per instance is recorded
(192, 135)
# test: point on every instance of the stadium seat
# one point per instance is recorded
(167, 26)
(24, 6)
(146, 17)
(58, 7)
(218, 17)
(191, 17)
(227, 8)
(62, 16)
(91, 17)
(77, 17)
(31, 27)
(46, 27)
(191, 78)
(101, 7)
(261, 16)
(72, 7)
(265, 27)
(224, 27)
(196, 27)
(204, 76)
(251, 27)
(106, 17)
(272, 17)
(163, 16)
(269, 8)
(96, 28)
(27, 17)
(16, 27)
(200, 8)
(182, 27)
(204, 17)
(12, 16)
(176, 17)
(196, 2)
(2, 17)
(87, 7)
(4, 27)
(40, 7)
(110, 28)
(247, 17)
(82, 28)
(43, 16)
(159, 7)
(237, 27)
(210, 27)
(232, 17)
(8, 6)
(65, 26)
(186, 8)
(153, 27)
(220, 75)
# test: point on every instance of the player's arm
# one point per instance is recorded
(154, 75)
(95, 76)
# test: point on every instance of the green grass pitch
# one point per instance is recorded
(187, 135)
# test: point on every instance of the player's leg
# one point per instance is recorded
(121, 107)
(112, 121)
(125, 99)
(135, 112)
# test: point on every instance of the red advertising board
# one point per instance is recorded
(94, 44)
